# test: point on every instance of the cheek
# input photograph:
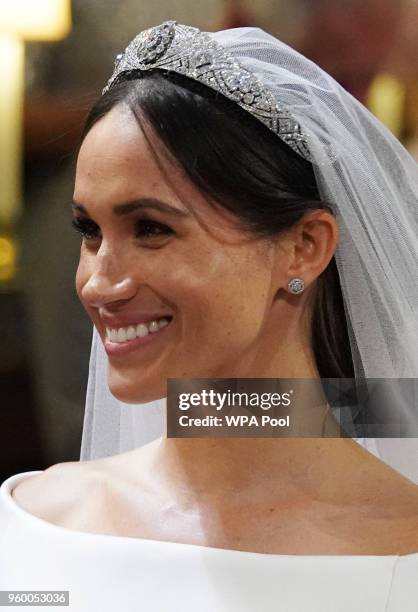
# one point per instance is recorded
(220, 299)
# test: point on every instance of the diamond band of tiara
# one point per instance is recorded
(188, 51)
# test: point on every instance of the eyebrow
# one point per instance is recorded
(129, 207)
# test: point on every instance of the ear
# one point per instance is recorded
(308, 247)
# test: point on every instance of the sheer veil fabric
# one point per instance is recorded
(116, 427)
(371, 182)
(112, 427)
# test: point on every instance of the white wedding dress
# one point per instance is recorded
(111, 574)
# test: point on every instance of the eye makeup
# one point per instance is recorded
(144, 228)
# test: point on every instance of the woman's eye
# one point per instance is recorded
(87, 228)
(146, 228)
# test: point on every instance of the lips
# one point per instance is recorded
(138, 343)
(127, 320)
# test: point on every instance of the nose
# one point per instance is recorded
(107, 282)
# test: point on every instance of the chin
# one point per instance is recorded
(131, 393)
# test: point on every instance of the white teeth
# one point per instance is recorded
(131, 333)
(121, 335)
(140, 331)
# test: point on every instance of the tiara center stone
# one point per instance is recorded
(155, 43)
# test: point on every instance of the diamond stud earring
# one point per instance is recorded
(296, 285)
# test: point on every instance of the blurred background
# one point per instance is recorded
(56, 56)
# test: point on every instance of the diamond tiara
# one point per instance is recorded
(188, 51)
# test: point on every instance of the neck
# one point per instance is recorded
(215, 469)
(302, 461)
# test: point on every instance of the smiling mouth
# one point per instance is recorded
(126, 334)
(125, 339)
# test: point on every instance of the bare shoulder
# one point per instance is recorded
(56, 493)
(385, 515)
(88, 496)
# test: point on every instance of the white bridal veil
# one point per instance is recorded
(361, 169)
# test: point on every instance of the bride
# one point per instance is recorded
(242, 216)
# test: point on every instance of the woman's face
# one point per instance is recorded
(154, 248)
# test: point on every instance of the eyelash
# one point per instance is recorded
(89, 230)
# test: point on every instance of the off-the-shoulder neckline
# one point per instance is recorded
(6, 497)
